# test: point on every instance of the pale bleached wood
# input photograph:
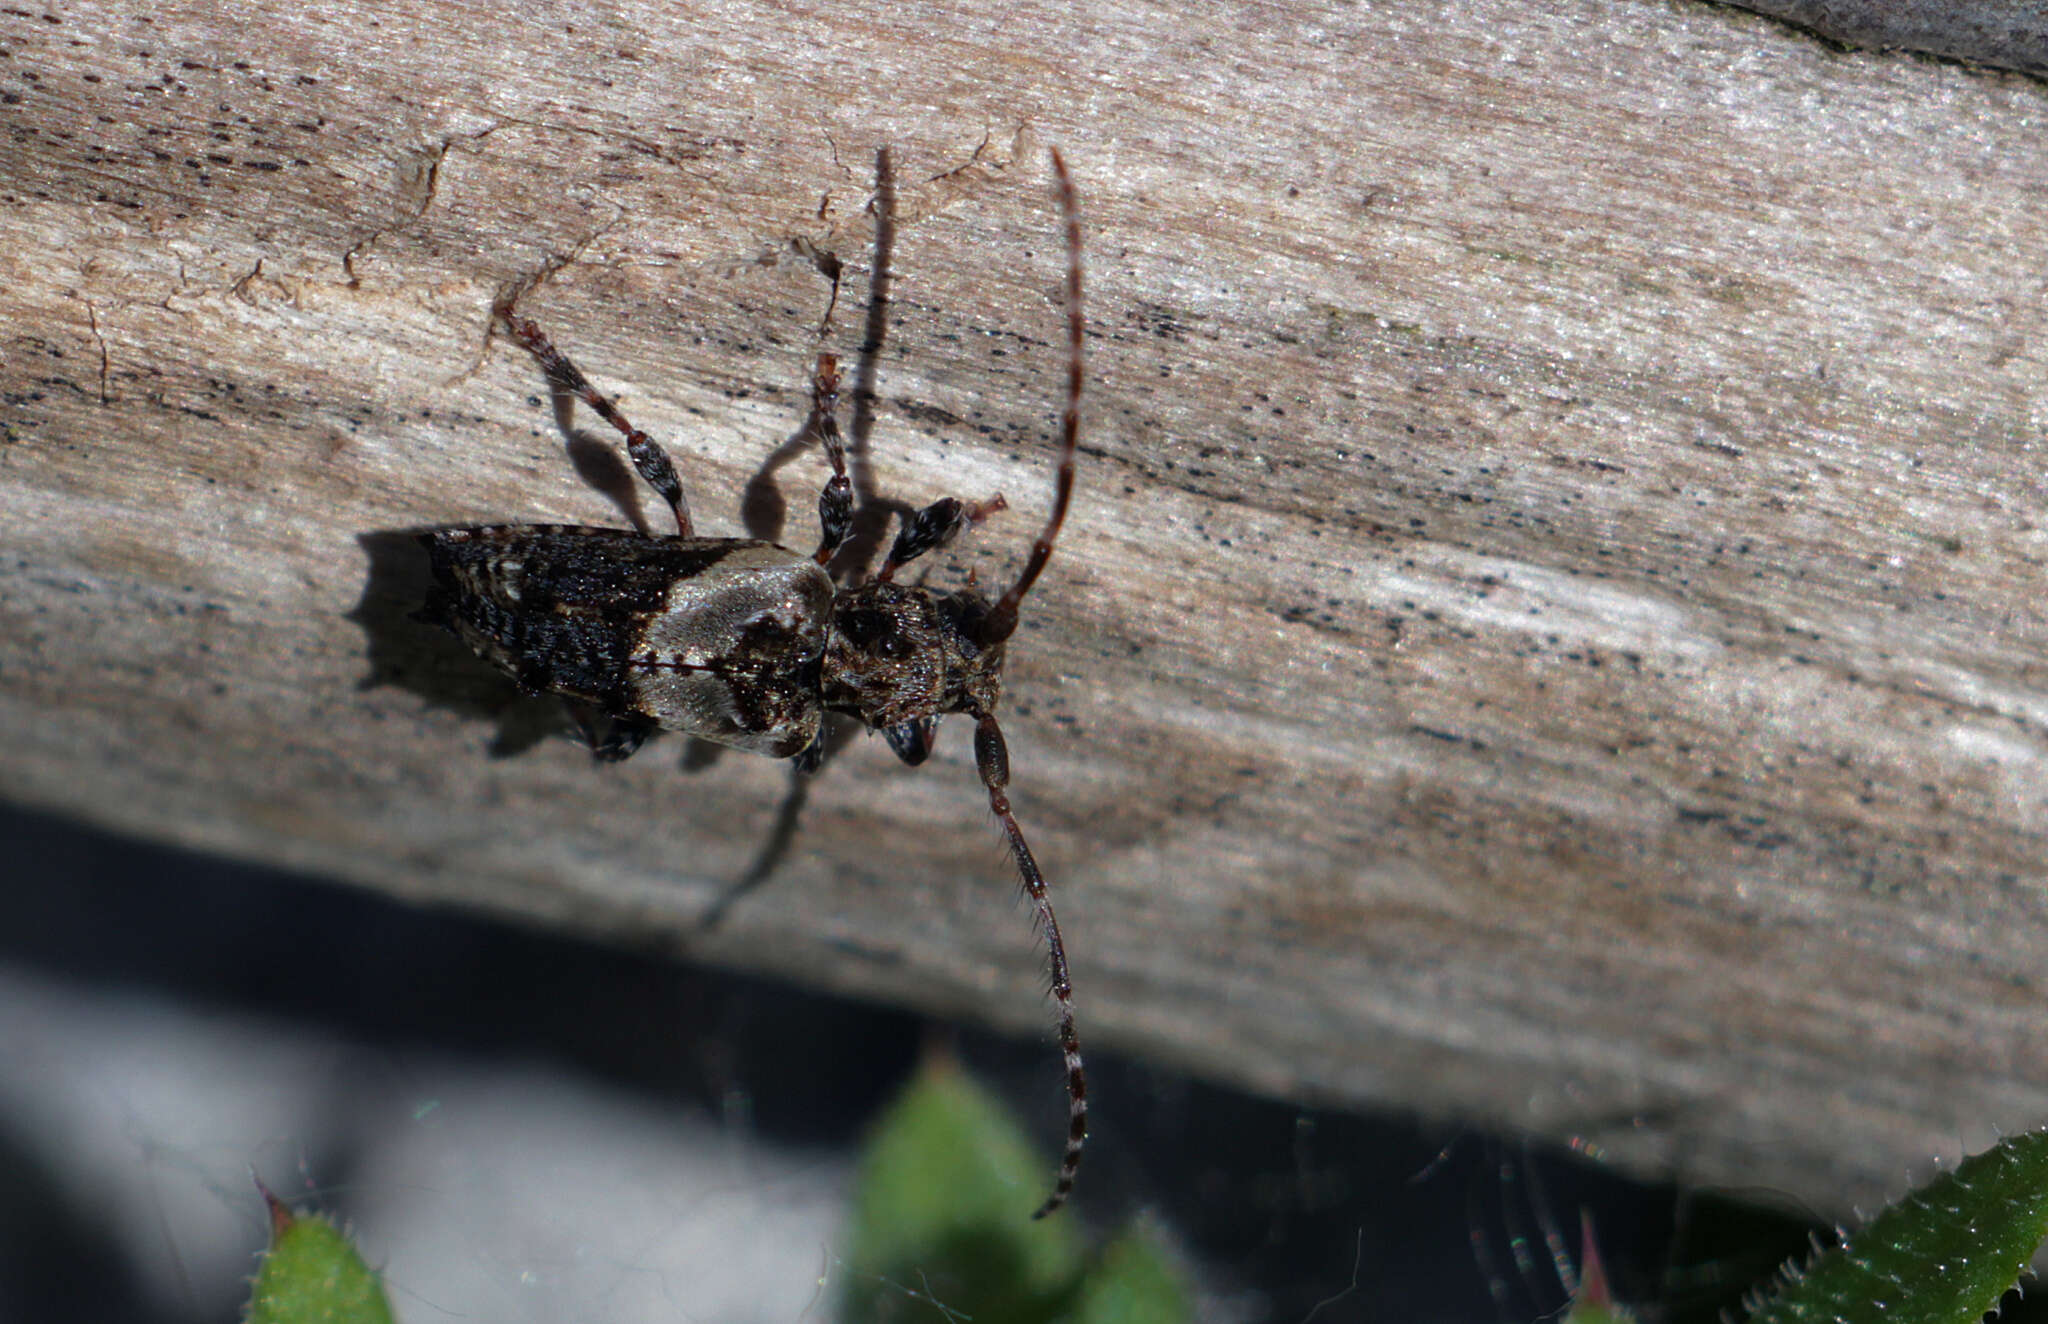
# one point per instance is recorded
(1550, 628)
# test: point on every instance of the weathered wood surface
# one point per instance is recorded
(1551, 627)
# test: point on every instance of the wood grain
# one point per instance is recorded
(1551, 625)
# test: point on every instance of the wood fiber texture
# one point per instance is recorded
(1551, 626)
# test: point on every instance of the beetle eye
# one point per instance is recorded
(893, 646)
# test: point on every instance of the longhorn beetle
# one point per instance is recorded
(749, 644)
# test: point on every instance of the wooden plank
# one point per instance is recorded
(1550, 627)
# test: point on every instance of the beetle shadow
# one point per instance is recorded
(872, 512)
(407, 650)
(601, 464)
(764, 510)
(839, 732)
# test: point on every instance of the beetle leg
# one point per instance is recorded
(912, 741)
(812, 756)
(620, 737)
(935, 526)
(835, 503)
(566, 378)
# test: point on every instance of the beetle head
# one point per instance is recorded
(898, 653)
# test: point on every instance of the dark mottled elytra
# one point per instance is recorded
(749, 644)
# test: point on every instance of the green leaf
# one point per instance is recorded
(1943, 1255)
(312, 1275)
(942, 1222)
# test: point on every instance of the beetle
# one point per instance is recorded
(746, 643)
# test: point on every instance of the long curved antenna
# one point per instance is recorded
(1001, 621)
(992, 759)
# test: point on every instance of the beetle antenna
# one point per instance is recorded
(1002, 619)
(992, 759)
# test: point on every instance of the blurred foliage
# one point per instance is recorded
(941, 1229)
(942, 1226)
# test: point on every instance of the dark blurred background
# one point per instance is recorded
(172, 1023)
